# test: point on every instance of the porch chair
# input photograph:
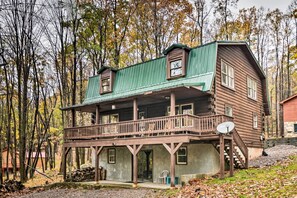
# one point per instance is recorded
(167, 128)
(163, 175)
(151, 127)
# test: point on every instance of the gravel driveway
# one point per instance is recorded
(106, 193)
(275, 154)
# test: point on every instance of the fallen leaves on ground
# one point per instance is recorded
(279, 180)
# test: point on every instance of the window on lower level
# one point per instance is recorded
(182, 156)
(255, 121)
(295, 128)
(111, 155)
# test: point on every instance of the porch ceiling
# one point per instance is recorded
(146, 99)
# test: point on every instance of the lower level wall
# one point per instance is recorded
(121, 170)
(202, 159)
(254, 152)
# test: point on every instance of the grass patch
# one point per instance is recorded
(279, 180)
(170, 192)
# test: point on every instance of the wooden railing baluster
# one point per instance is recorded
(166, 124)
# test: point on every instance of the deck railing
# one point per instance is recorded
(151, 126)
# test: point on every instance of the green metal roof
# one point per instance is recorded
(151, 76)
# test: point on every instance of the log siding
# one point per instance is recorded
(243, 107)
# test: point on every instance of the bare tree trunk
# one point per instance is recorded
(1, 176)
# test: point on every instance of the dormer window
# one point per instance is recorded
(176, 57)
(107, 76)
(176, 68)
(105, 86)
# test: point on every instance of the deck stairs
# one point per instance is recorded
(240, 152)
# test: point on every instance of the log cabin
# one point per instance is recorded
(157, 120)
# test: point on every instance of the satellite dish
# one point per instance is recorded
(225, 127)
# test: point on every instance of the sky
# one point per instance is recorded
(271, 4)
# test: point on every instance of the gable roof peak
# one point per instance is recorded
(174, 46)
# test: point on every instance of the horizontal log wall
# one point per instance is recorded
(243, 107)
(201, 108)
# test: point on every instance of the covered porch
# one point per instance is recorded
(171, 130)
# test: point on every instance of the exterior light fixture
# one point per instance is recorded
(113, 107)
(167, 97)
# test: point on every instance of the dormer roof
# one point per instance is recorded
(174, 46)
(103, 68)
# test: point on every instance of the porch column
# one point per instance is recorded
(135, 116)
(65, 151)
(97, 114)
(231, 156)
(172, 150)
(134, 149)
(172, 103)
(73, 116)
(135, 106)
(97, 153)
(222, 161)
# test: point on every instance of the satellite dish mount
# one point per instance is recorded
(225, 127)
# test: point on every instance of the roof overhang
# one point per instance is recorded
(288, 99)
(186, 90)
(174, 46)
(250, 54)
(103, 68)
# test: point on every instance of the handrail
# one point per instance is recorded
(241, 145)
(166, 124)
(148, 119)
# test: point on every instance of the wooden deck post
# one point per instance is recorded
(172, 167)
(97, 114)
(247, 159)
(97, 153)
(64, 168)
(65, 151)
(172, 149)
(222, 161)
(172, 104)
(231, 157)
(134, 149)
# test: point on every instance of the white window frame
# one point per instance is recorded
(179, 108)
(182, 123)
(251, 88)
(176, 112)
(177, 68)
(110, 128)
(226, 110)
(178, 155)
(229, 73)
(113, 155)
(255, 120)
